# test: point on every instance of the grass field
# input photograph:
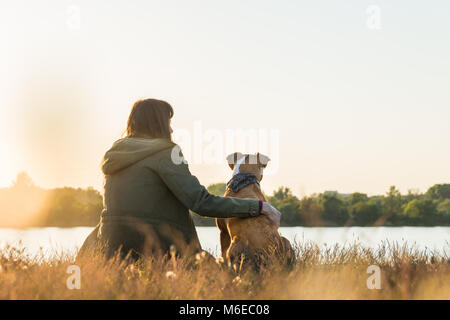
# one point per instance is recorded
(333, 273)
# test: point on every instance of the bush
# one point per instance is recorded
(365, 213)
(421, 211)
(288, 205)
(334, 209)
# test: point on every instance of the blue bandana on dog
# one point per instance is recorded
(241, 180)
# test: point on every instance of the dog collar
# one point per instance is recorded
(241, 180)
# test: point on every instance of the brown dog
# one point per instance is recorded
(253, 237)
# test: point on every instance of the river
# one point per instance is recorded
(47, 242)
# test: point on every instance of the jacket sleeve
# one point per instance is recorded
(194, 196)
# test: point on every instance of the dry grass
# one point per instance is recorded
(334, 273)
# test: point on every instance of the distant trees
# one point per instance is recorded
(444, 207)
(358, 209)
(391, 204)
(334, 209)
(356, 197)
(421, 211)
(67, 207)
(217, 189)
(22, 181)
(365, 213)
(310, 210)
(439, 192)
(25, 204)
(288, 205)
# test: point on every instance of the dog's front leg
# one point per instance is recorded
(225, 239)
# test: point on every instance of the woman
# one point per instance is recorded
(147, 195)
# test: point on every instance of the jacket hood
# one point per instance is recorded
(128, 151)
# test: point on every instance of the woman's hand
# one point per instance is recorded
(270, 212)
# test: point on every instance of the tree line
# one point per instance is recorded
(331, 208)
(26, 205)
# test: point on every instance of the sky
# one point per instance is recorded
(355, 106)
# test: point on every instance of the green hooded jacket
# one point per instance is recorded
(146, 192)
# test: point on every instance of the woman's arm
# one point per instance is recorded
(194, 196)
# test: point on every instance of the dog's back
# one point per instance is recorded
(250, 235)
(254, 232)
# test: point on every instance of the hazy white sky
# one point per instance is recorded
(357, 109)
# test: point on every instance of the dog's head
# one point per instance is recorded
(248, 163)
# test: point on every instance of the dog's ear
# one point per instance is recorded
(263, 160)
(233, 159)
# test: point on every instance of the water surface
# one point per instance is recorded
(51, 241)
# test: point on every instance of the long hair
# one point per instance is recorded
(150, 117)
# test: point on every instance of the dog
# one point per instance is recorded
(249, 238)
